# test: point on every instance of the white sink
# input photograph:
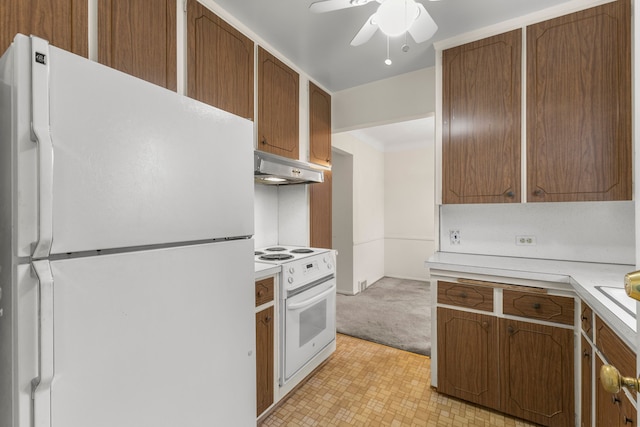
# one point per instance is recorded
(619, 296)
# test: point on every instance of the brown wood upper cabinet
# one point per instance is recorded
(319, 126)
(278, 106)
(579, 106)
(481, 121)
(219, 62)
(578, 109)
(63, 23)
(320, 206)
(138, 37)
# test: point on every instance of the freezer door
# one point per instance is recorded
(155, 338)
(131, 163)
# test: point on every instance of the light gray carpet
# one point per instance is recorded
(394, 312)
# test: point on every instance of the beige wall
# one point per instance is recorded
(396, 99)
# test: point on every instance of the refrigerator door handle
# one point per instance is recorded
(41, 385)
(40, 127)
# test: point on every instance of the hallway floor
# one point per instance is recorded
(368, 384)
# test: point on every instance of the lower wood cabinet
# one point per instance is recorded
(264, 359)
(265, 368)
(520, 368)
(612, 410)
(468, 356)
(536, 372)
(498, 347)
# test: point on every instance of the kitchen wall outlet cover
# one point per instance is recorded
(454, 237)
(525, 240)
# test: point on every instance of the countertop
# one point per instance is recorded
(265, 270)
(584, 278)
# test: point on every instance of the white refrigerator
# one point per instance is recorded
(126, 257)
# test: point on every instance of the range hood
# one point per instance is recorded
(271, 169)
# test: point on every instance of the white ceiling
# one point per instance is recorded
(318, 44)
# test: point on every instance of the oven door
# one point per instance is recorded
(310, 325)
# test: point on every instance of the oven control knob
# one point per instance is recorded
(329, 266)
(324, 259)
(292, 270)
(290, 280)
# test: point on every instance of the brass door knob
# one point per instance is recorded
(632, 284)
(612, 381)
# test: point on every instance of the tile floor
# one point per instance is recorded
(367, 384)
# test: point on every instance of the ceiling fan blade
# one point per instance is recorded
(366, 32)
(331, 5)
(424, 27)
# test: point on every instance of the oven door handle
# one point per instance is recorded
(311, 300)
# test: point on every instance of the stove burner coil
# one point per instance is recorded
(256, 253)
(301, 251)
(276, 257)
(276, 249)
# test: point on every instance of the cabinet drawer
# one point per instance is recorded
(551, 308)
(264, 291)
(615, 350)
(476, 297)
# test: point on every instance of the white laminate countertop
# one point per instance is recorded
(584, 277)
(265, 270)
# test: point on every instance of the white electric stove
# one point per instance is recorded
(307, 301)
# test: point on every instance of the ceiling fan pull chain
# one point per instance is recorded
(405, 46)
(388, 60)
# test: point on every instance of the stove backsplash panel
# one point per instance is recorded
(281, 215)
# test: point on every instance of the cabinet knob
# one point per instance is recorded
(260, 293)
(584, 318)
(586, 354)
(538, 193)
(463, 294)
(613, 382)
(614, 399)
(264, 140)
(485, 324)
(536, 305)
(510, 194)
(267, 319)
(510, 330)
(627, 420)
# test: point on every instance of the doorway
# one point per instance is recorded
(342, 218)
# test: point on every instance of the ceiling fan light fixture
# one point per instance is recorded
(395, 17)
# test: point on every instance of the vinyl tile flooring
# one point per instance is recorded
(368, 384)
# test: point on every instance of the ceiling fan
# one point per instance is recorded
(393, 18)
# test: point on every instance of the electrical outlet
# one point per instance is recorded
(525, 240)
(454, 237)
